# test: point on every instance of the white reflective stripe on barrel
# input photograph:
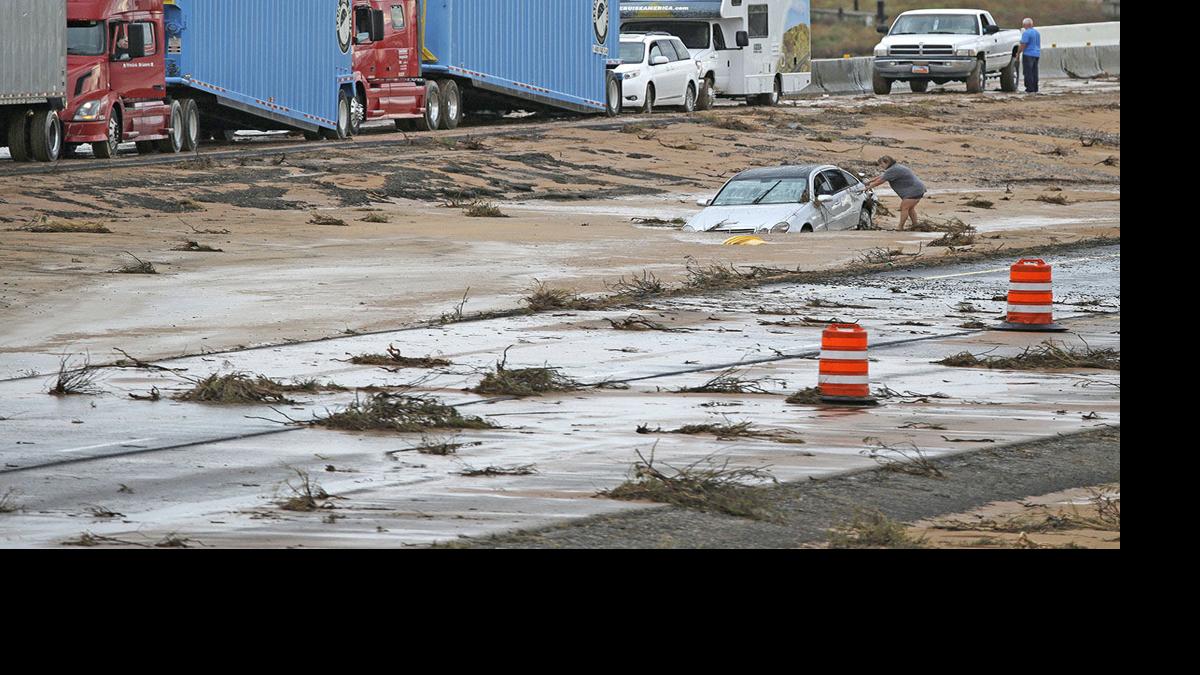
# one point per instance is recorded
(831, 355)
(1030, 287)
(1031, 309)
(843, 379)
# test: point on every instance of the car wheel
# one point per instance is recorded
(45, 136)
(689, 99)
(108, 149)
(864, 220)
(919, 86)
(648, 103)
(975, 79)
(880, 84)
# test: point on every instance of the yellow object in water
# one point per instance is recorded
(745, 240)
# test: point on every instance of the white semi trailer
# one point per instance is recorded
(759, 50)
(33, 78)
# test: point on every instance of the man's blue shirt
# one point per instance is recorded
(1032, 40)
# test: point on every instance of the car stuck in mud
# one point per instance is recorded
(797, 199)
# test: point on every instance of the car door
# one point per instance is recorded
(841, 209)
(670, 90)
(660, 75)
(685, 67)
(821, 186)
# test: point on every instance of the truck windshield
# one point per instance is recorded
(751, 191)
(695, 34)
(935, 24)
(633, 52)
(85, 38)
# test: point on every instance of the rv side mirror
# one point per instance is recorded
(743, 38)
(137, 40)
(992, 30)
(377, 25)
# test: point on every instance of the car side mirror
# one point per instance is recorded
(743, 39)
(703, 202)
(136, 33)
(377, 25)
(659, 61)
(862, 175)
(824, 199)
(992, 30)
(882, 30)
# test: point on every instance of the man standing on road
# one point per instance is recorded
(1031, 53)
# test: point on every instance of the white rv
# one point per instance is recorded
(759, 50)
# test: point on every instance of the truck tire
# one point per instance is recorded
(191, 125)
(342, 131)
(648, 101)
(107, 149)
(173, 143)
(708, 95)
(452, 104)
(358, 112)
(1010, 77)
(919, 86)
(45, 136)
(976, 79)
(880, 84)
(612, 95)
(433, 108)
(18, 137)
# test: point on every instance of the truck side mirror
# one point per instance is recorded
(377, 25)
(882, 30)
(743, 39)
(137, 40)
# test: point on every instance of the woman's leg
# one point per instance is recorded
(908, 211)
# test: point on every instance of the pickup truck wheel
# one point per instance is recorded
(45, 136)
(342, 131)
(648, 102)
(919, 86)
(452, 109)
(191, 125)
(880, 84)
(108, 149)
(1009, 76)
(433, 108)
(975, 80)
(173, 143)
(707, 96)
(18, 138)
(612, 96)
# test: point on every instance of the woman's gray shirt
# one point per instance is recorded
(904, 182)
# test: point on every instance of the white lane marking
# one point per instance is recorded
(1005, 269)
(105, 445)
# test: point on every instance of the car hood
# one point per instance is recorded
(742, 218)
(629, 67)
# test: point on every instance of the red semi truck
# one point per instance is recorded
(387, 68)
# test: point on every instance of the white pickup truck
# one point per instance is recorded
(946, 45)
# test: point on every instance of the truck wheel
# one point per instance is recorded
(1009, 78)
(452, 109)
(107, 149)
(648, 101)
(975, 80)
(919, 86)
(776, 95)
(612, 96)
(18, 138)
(342, 131)
(689, 99)
(45, 136)
(358, 113)
(433, 108)
(191, 125)
(880, 84)
(708, 95)
(173, 143)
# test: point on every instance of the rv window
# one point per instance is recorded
(759, 19)
(718, 38)
(684, 54)
(398, 17)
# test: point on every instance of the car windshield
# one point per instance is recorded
(633, 52)
(758, 191)
(85, 38)
(695, 34)
(934, 24)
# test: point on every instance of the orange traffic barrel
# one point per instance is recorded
(844, 376)
(1031, 297)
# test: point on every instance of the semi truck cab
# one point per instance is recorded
(387, 64)
(116, 83)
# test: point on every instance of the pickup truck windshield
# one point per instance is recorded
(753, 191)
(936, 24)
(695, 34)
(86, 38)
(633, 52)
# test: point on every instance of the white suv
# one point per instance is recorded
(656, 69)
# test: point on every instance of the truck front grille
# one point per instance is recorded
(919, 50)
